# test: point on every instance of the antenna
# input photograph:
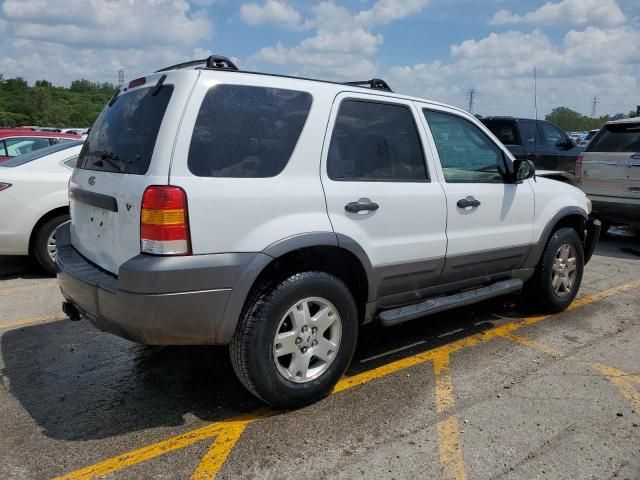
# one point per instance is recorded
(471, 96)
(594, 103)
(535, 105)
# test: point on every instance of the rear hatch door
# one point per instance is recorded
(611, 163)
(129, 148)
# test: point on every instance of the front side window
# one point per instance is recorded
(551, 135)
(247, 132)
(375, 142)
(466, 154)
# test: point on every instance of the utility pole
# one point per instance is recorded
(594, 103)
(121, 79)
(471, 96)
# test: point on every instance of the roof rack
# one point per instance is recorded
(214, 61)
(376, 83)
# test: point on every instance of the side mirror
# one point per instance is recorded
(524, 169)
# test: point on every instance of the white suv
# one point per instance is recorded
(279, 214)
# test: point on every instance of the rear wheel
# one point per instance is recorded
(559, 273)
(295, 339)
(44, 244)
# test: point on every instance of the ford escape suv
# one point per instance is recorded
(278, 214)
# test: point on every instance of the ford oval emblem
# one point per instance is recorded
(92, 180)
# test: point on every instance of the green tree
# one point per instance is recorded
(570, 120)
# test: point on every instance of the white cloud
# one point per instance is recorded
(344, 42)
(593, 61)
(94, 38)
(604, 13)
(272, 11)
(386, 11)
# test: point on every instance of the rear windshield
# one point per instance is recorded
(246, 132)
(122, 138)
(36, 154)
(617, 137)
(505, 130)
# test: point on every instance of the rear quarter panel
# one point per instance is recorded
(249, 214)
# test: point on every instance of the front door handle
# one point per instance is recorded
(362, 205)
(468, 202)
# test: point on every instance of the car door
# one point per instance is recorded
(558, 152)
(380, 192)
(489, 220)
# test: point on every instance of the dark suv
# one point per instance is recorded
(547, 145)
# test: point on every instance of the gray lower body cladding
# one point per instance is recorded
(157, 300)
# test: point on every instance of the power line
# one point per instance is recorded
(471, 96)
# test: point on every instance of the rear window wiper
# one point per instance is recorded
(158, 85)
(111, 158)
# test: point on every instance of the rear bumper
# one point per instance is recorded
(154, 300)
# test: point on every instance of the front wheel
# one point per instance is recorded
(559, 273)
(296, 339)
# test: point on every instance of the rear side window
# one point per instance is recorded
(505, 130)
(529, 133)
(17, 146)
(617, 137)
(124, 135)
(247, 132)
(375, 142)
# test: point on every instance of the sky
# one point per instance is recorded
(434, 49)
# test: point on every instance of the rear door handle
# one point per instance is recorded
(468, 202)
(362, 205)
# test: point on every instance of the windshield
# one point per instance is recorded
(617, 137)
(36, 154)
(124, 135)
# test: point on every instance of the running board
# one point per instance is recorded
(439, 304)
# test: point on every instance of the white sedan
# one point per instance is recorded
(34, 201)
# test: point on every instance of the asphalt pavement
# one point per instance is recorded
(492, 391)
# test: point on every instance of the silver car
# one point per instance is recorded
(610, 172)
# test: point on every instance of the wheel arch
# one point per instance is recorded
(323, 251)
(570, 216)
(56, 212)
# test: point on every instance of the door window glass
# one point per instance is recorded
(467, 155)
(376, 142)
(528, 133)
(551, 135)
(21, 145)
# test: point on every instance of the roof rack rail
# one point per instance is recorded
(376, 83)
(214, 61)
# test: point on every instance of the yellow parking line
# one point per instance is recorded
(622, 381)
(212, 465)
(25, 322)
(448, 430)
(221, 429)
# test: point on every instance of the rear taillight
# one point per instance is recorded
(579, 166)
(164, 226)
(4, 186)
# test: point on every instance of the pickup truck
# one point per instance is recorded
(547, 146)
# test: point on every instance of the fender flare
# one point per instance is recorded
(247, 278)
(537, 248)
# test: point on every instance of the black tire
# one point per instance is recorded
(40, 248)
(540, 289)
(252, 346)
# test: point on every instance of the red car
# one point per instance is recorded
(14, 142)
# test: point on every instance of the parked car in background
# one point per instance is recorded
(610, 172)
(542, 142)
(16, 142)
(589, 137)
(34, 201)
(278, 214)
